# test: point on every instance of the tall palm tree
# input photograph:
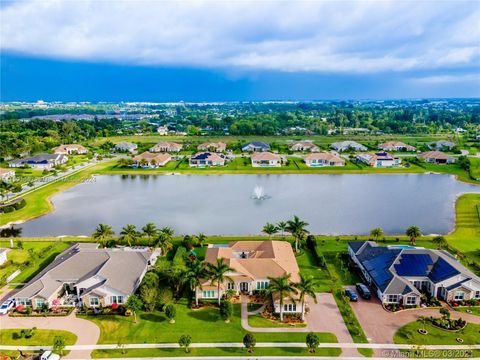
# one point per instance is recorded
(440, 241)
(283, 287)
(296, 227)
(217, 273)
(102, 233)
(306, 286)
(167, 231)
(164, 242)
(129, 234)
(269, 229)
(413, 232)
(195, 273)
(150, 230)
(282, 226)
(376, 233)
(201, 238)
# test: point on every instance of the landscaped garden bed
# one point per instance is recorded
(27, 311)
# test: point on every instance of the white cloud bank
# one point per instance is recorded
(330, 36)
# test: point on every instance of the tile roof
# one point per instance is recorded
(327, 156)
(266, 155)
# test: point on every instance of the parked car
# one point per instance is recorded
(48, 355)
(7, 306)
(363, 291)
(352, 295)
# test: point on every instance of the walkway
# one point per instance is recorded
(87, 332)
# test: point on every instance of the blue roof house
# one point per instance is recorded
(256, 146)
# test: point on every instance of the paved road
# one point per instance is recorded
(87, 332)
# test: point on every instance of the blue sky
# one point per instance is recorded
(242, 50)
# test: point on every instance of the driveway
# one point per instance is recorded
(380, 325)
(87, 332)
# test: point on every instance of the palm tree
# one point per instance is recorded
(269, 229)
(283, 287)
(201, 238)
(376, 233)
(217, 273)
(306, 286)
(150, 230)
(129, 234)
(164, 242)
(413, 232)
(167, 231)
(440, 241)
(102, 233)
(195, 273)
(282, 226)
(296, 227)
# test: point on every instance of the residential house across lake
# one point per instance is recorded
(266, 159)
(151, 160)
(348, 145)
(323, 159)
(380, 160)
(85, 274)
(400, 274)
(40, 161)
(166, 146)
(206, 159)
(126, 146)
(436, 157)
(305, 145)
(444, 145)
(255, 146)
(70, 149)
(7, 174)
(396, 146)
(212, 146)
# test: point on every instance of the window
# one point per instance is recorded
(230, 285)
(459, 295)
(25, 301)
(40, 303)
(477, 294)
(94, 301)
(262, 285)
(208, 294)
(116, 299)
(411, 300)
(289, 307)
(392, 298)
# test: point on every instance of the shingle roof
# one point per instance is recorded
(259, 156)
(356, 245)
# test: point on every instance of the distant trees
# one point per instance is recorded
(376, 233)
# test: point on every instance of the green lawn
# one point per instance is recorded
(408, 334)
(330, 352)
(203, 325)
(475, 310)
(260, 322)
(40, 337)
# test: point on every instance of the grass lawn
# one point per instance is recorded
(261, 322)
(214, 352)
(203, 325)
(475, 310)
(19, 256)
(408, 334)
(40, 337)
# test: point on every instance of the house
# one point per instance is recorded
(304, 146)
(441, 145)
(70, 149)
(348, 145)
(3, 256)
(380, 160)
(212, 146)
(256, 146)
(396, 146)
(7, 174)
(324, 159)
(436, 157)
(266, 159)
(40, 161)
(400, 274)
(162, 130)
(253, 262)
(205, 159)
(126, 146)
(151, 160)
(166, 146)
(85, 274)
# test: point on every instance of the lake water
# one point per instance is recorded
(223, 204)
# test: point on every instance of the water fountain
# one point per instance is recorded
(259, 193)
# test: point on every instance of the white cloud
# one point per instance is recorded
(330, 36)
(448, 79)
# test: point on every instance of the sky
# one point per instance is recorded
(238, 50)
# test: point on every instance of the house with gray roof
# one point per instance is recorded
(40, 161)
(400, 274)
(126, 146)
(348, 145)
(85, 274)
(256, 146)
(441, 145)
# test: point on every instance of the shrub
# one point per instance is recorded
(226, 310)
(165, 296)
(170, 312)
(249, 341)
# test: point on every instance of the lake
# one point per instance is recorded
(223, 204)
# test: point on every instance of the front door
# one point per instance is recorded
(244, 286)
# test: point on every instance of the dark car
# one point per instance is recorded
(352, 295)
(363, 291)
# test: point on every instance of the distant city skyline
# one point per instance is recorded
(238, 51)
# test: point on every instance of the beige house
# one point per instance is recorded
(436, 157)
(266, 159)
(253, 262)
(84, 274)
(70, 149)
(7, 174)
(166, 146)
(162, 130)
(304, 146)
(40, 161)
(151, 160)
(212, 146)
(323, 159)
(396, 146)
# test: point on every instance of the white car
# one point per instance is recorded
(48, 355)
(7, 306)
